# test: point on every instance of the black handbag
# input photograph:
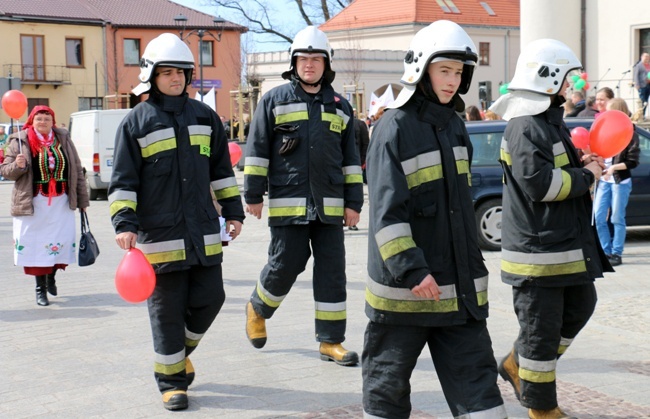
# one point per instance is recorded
(88, 249)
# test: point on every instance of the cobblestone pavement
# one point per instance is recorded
(89, 354)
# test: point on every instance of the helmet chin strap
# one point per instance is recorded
(295, 74)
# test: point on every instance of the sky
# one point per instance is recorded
(251, 42)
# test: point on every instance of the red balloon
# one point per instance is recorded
(135, 278)
(610, 133)
(586, 86)
(14, 103)
(580, 137)
(583, 76)
(235, 153)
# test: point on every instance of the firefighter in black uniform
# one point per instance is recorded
(302, 145)
(171, 158)
(427, 281)
(550, 252)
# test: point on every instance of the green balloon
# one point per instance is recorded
(575, 78)
(503, 89)
(649, 75)
(580, 84)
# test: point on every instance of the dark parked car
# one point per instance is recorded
(487, 186)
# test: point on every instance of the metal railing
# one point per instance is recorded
(38, 74)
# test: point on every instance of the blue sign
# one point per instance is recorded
(207, 83)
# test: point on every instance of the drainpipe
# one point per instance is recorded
(583, 33)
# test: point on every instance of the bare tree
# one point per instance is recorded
(266, 17)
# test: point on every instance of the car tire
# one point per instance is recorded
(488, 221)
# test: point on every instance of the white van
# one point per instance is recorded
(93, 133)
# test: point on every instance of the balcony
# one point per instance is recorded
(55, 75)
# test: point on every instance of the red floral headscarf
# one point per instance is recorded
(34, 143)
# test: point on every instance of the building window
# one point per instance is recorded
(90, 103)
(483, 53)
(208, 58)
(131, 52)
(74, 52)
(645, 41)
(33, 59)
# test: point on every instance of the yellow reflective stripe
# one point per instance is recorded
(505, 156)
(536, 376)
(410, 306)
(396, 246)
(291, 117)
(268, 298)
(191, 338)
(561, 160)
(424, 175)
(287, 207)
(116, 206)
(163, 257)
(161, 252)
(353, 179)
(213, 249)
(203, 142)
(157, 142)
(462, 167)
(333, 207)
(330, 311)
(481, 285)
(566, 186)
(543, 264)
(169, 369)
(227, 193)
(170, 364)
(256, 166)
(564, 345)
(256, 171)
(336, 121)
(543, 270)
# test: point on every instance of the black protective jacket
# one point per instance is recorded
(171, 156)
(319, 173)
(547, 238)
(422, 218)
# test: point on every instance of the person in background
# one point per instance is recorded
(550, 253)
(603, 96)
(427, 283)
(472, 114)
(49, 186)
(362, 138)
(171, 159)
(613, 193)
(491, 116)
(302, 143)
(590, 109)
(642, 80)
(578, 102)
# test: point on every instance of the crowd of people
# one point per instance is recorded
(308, 152)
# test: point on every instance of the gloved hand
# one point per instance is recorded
(290, 138)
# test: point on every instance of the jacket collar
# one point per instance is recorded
(432, 113)
(325, 94)
(173, 104)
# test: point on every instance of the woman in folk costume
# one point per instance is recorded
(49, 186)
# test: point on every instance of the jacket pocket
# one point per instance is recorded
(150, 222)
(337, 178)
(285, 179)
(558, 235)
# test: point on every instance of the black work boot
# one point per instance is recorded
(41, 291)
(51, 283)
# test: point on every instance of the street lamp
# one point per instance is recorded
(181, 20)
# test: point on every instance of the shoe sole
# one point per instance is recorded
(343, 363)
(506, 377)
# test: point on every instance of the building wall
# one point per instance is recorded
(373, 58)
(611, 37)
(226, 68)
(62, 99)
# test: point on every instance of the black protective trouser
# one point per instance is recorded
(462, 356)
(289, 252)
(183, 306)
(549, 319)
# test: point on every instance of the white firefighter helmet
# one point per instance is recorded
(167, 50)
(442, 40)
(311, 40)
(542, 67)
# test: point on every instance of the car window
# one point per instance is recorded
(486, 148)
